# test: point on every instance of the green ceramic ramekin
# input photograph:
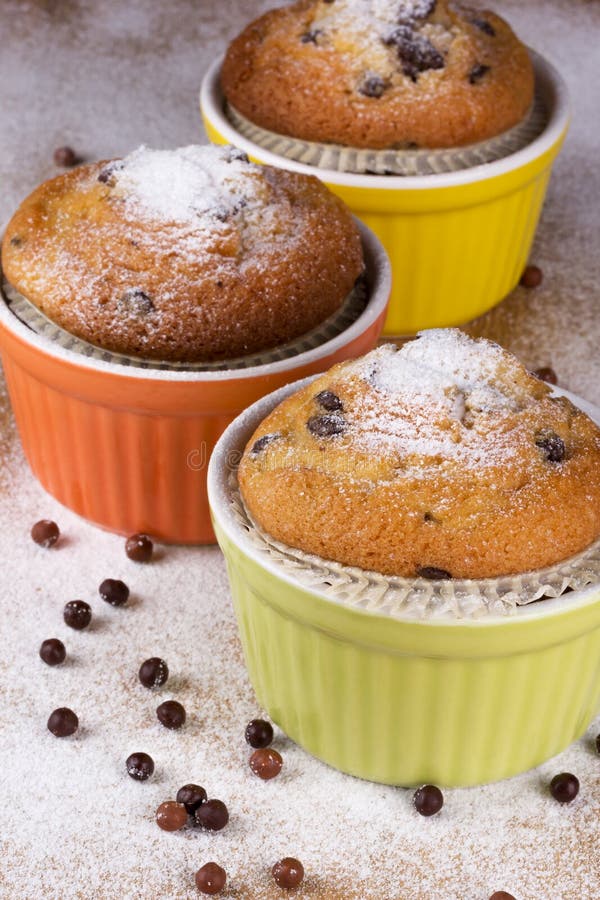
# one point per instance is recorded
(405, 702)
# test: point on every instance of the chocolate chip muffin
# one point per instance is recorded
(443, 459)
(191, 254)
(380, 74)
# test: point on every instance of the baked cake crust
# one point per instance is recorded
(193, 254)
(445, 457)
(380, 73)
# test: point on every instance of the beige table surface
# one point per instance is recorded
(105, 77)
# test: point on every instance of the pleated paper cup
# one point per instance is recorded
(124, 442)
(381, 693)
(458, 237)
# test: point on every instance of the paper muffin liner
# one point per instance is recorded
(419, 598)
(395, 162)
(33, 318)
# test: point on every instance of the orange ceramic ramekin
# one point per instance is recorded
(128, 447)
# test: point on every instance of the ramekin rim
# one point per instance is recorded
(230, 445)
(378, 267)
(211, 100)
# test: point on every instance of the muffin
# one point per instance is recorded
(189, 255)
(443, 459)
(380, 74)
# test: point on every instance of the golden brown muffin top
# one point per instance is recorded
(446, 454)
(380, 73)
(190, 254)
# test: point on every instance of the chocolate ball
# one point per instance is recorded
(65, 157)
(139, 548)
(564, 787)
(192, 796)
(171, 714)
(140, 766)
(77, 614)
(171, 816)
(547, 374)
(45, 533)
(259, 733)
(63, 722)
(212, 815)
(114, 592)
(211, 878)
(266, 763)
(53, 652)
(428, 800)
(501, 895)
(532, 277)
(153, 672)
(288, 872)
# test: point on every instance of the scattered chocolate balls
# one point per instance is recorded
(547, 374)
(140, 766)
(114, 592)
(532, 277)
(266, 763)
(288, 872)
(211, 878)
(428, 800)
(212, 815)
(45, 533)
(153, 672)
(65, 157)
(63, 722)
(53, 652)
(171, 816)
(259, 733)
(192, 796)
(564, 787)
(139, 548)
(171, 714)
(77, 614)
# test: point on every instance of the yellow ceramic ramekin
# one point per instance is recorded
(450, 702)
(458, 242)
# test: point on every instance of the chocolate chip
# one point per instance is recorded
(532, 277)
(329, 401)
(77, 614)
(288, 872)
(136, 302)
(139, 548)
(432, 573)
(171, 816)
(192, 796)
(429, 517)
(108, 174)
(45, 533)
(259, 733)
(210, 878)
(53, 652)
(372, 86)
(484, 26)
(564, 787)
(552, 446)
(63, 722)
(547, 374)
(311, 37)
(114, 591)
(236, 154)
(171, 714)
(428, 800)
(477, 73)
(262, 442)
(212, 815)
(140, 766)
(266, 763)
(153, 672)
(326, 426)
(16, 241)
(415, 52)
(65, 157)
